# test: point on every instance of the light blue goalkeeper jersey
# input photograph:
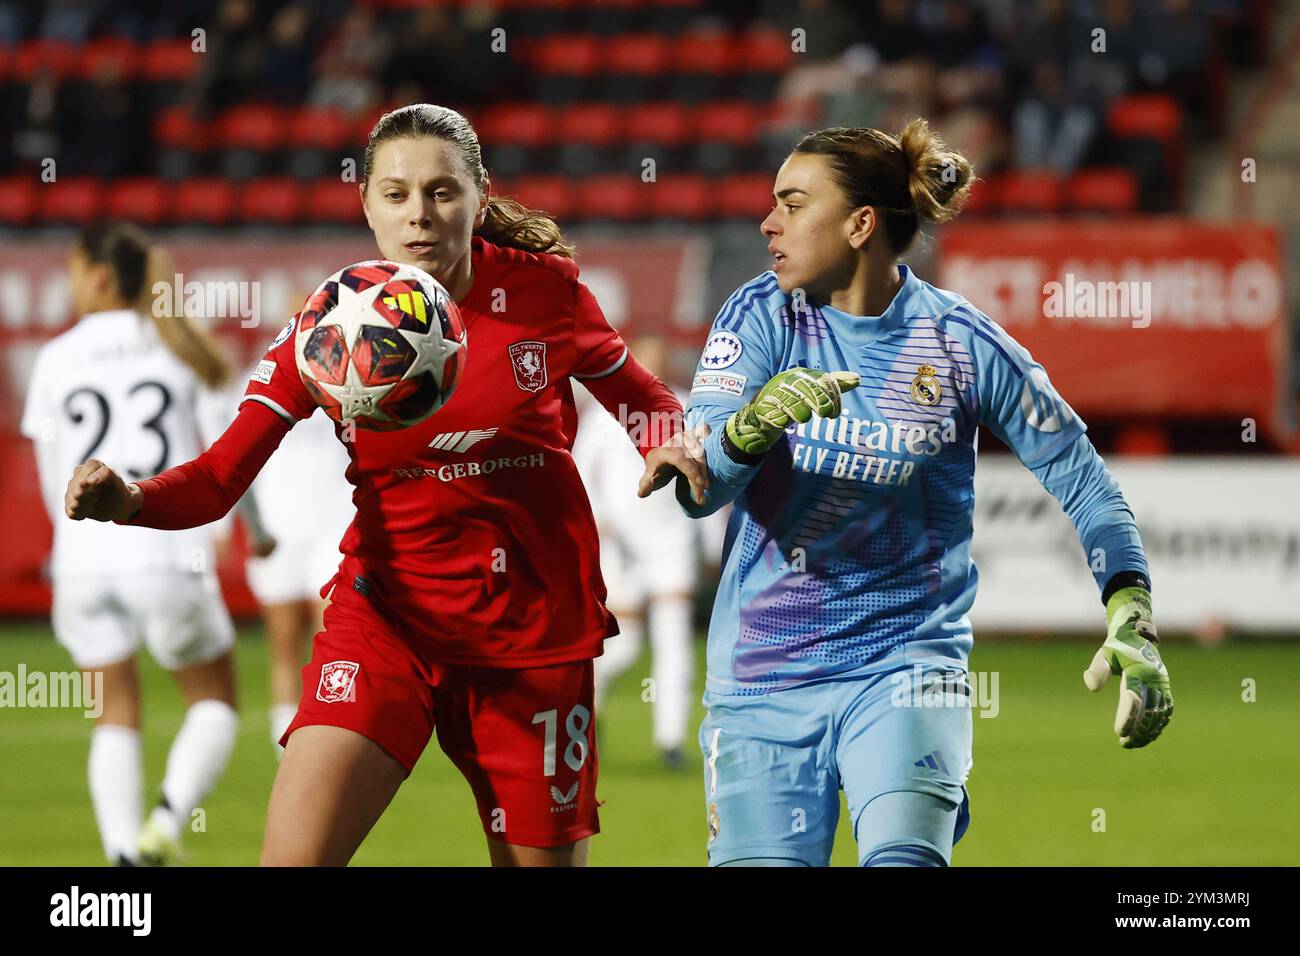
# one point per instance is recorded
(849, 549)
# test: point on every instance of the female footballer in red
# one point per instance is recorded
(469, 600)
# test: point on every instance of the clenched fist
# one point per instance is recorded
(97, 491)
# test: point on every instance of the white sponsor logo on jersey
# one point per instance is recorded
(265, 369)
(337, 681)
(461, 441)
(721, 351)
(719, 382)
(1040, 405)
(473, 469)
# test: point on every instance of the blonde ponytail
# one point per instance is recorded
(188, 341)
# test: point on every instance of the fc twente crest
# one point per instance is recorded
(529, 362)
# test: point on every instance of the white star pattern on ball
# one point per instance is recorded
(434, 356)
(355, 398)
(431, 351)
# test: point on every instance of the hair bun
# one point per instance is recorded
(938, 178)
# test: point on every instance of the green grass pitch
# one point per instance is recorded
(1221, 787)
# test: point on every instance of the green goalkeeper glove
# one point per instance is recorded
(1145, 700)
(790, 396)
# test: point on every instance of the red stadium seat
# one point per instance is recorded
(667, 124)
(1143, 441)
(256, 126)
(622, 197)
(203, 202)
(737, 122)
(76, 200)
(19, 200)
(1147, 116)
(519, 124)
(599, 124)
(176, 128)
(312, 128)
(640, 54)
(34, 55)
(578, 55)
(707, 51)
(688, 196)
(141, 200)
(170, 61)
(273, 199)
(765, 50)
(1113, 191)
(1034, 191)
(985, 198)
(329, 200)
(745, 196)
(119, 56)
(554, 195)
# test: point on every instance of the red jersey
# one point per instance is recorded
(473, 532)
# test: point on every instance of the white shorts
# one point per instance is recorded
(645, 566)
(180, 617)
(295, 570)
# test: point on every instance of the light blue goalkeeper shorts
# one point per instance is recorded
(774, 765)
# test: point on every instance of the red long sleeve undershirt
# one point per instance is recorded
(645, 407)
(205, 489)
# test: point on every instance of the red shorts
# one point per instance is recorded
(524, 739)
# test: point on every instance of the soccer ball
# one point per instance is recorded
(380, 344)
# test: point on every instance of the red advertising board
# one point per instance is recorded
(1152, 317)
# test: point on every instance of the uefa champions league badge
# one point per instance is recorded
(284, 333)
(338, 682)
(528, 359)
(721, 351)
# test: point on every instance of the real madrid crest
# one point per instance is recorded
(925, 387)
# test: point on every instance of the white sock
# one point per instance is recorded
(116, 774)
(621, 652)
(281, 717)
(198, 756)
(673, 667)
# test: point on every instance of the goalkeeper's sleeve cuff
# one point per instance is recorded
(1124, 579)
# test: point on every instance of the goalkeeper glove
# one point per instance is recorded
(790, 396)
(1145, 700)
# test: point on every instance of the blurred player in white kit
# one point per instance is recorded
(649, 560)
(136, 392)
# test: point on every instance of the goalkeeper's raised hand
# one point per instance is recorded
(790, 396)
(1145, 700)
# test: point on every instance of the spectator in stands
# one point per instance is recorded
(107, 136)
(287, 59)
(1054, 128)
(37, 133)
(346, 70)
(233, 61)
